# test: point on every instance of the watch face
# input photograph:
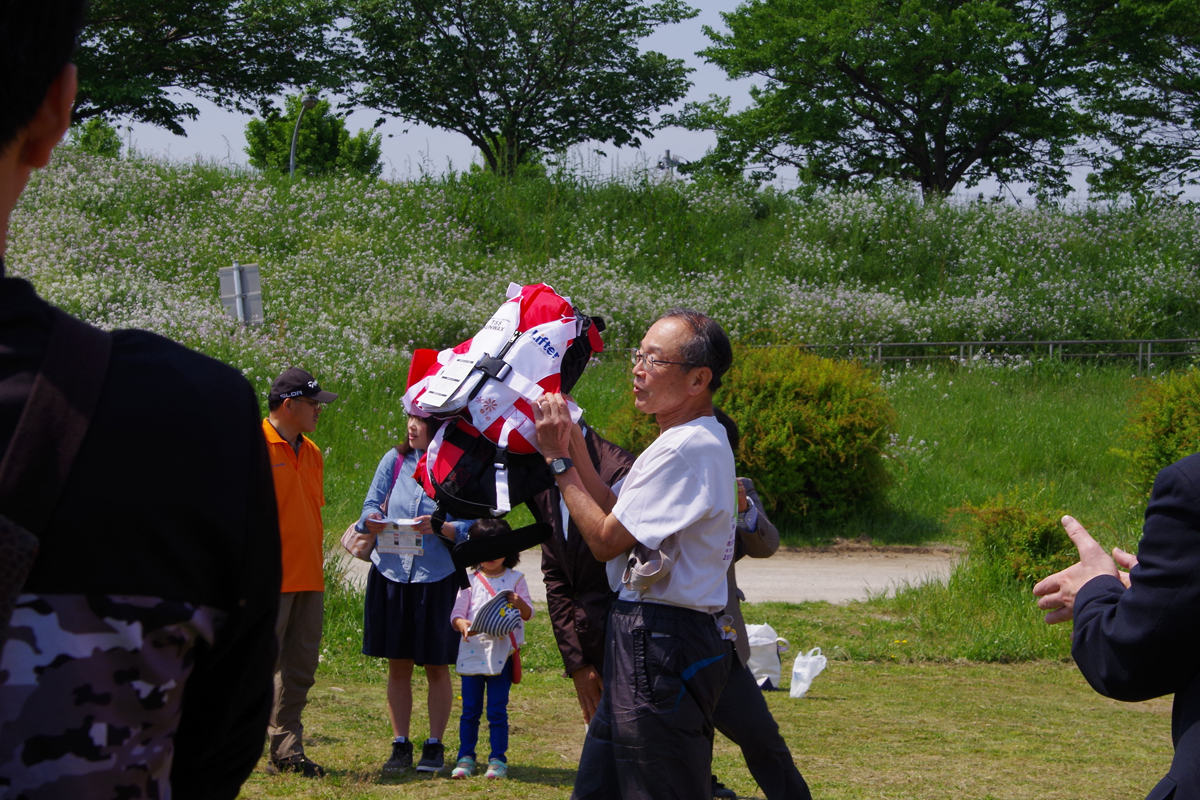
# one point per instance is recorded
(560, 465)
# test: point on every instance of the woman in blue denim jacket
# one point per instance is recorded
(409, 599)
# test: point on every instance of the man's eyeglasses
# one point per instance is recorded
(651, 362)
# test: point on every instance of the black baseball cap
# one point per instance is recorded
(295, 382)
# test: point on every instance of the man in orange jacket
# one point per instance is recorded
(295, 404)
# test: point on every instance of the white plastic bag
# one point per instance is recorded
(765, 647)
(805, 669)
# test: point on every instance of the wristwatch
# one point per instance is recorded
(560, 465)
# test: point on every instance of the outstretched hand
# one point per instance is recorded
(1056, 594)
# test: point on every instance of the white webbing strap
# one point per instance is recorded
(523, 386)
(503, 504)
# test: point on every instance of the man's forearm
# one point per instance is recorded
(606, 537)
(592, 482)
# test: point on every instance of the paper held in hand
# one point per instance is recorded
(400, 537)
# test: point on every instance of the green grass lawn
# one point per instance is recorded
(867, 729)
(966, 435)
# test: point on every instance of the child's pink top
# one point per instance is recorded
(482, 654)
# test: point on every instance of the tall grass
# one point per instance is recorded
(969, 434)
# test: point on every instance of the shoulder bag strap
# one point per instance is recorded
(44, 445)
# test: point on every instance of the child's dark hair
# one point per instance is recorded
(493, 527)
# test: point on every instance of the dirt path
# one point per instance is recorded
(836, 574)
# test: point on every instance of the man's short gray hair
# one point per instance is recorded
(708, 347)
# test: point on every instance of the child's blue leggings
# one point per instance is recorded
(497, 712)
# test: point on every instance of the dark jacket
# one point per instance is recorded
(1143, 642)
(762, 542)
(146, 625)
(577, 591)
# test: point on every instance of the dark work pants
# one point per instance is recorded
(298, 633)
(651, 737)
(743, 717)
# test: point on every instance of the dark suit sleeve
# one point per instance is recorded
(560, 596)
(228, 696)
(1145, 641)
(763, 541)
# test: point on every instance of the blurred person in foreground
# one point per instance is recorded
(137, 660)
(666, 658)
(1137, 633)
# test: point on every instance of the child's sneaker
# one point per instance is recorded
(465, 768)
(497, 769)
(433, 757)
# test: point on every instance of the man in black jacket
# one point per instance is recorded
(577, 591)
(138, 659)
(1137, 634)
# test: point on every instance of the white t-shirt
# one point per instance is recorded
(684, 483)
(483, 654)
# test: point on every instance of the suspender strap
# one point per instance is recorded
(45, 442)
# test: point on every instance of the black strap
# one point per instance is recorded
(43, 447)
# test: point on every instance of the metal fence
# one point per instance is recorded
(1145, 352)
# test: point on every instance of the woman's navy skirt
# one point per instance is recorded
(410, 620)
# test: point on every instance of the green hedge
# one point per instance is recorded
(1018, 536)
(1164, 426)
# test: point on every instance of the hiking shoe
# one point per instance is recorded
(497, 769)
(433, 757)
(401, 760)
(298, 763)
(465, 768)
(721, 791)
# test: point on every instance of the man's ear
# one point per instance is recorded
(699, 379)
(51, 121)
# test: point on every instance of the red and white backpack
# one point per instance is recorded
(484, 459)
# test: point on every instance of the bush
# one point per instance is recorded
(323, 144)
(96, 138)
(813, 431)
(630, 428)
(1164, 426)
(1018, 536)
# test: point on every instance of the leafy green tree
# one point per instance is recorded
(97, 138)
(323, 144)
(518, 76)
(134, 54)
(938, 92)
(1147, 87)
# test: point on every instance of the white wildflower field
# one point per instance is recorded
(356, 273)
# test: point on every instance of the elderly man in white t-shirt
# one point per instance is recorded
(666, 661)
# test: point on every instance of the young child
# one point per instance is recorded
(487, 661)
